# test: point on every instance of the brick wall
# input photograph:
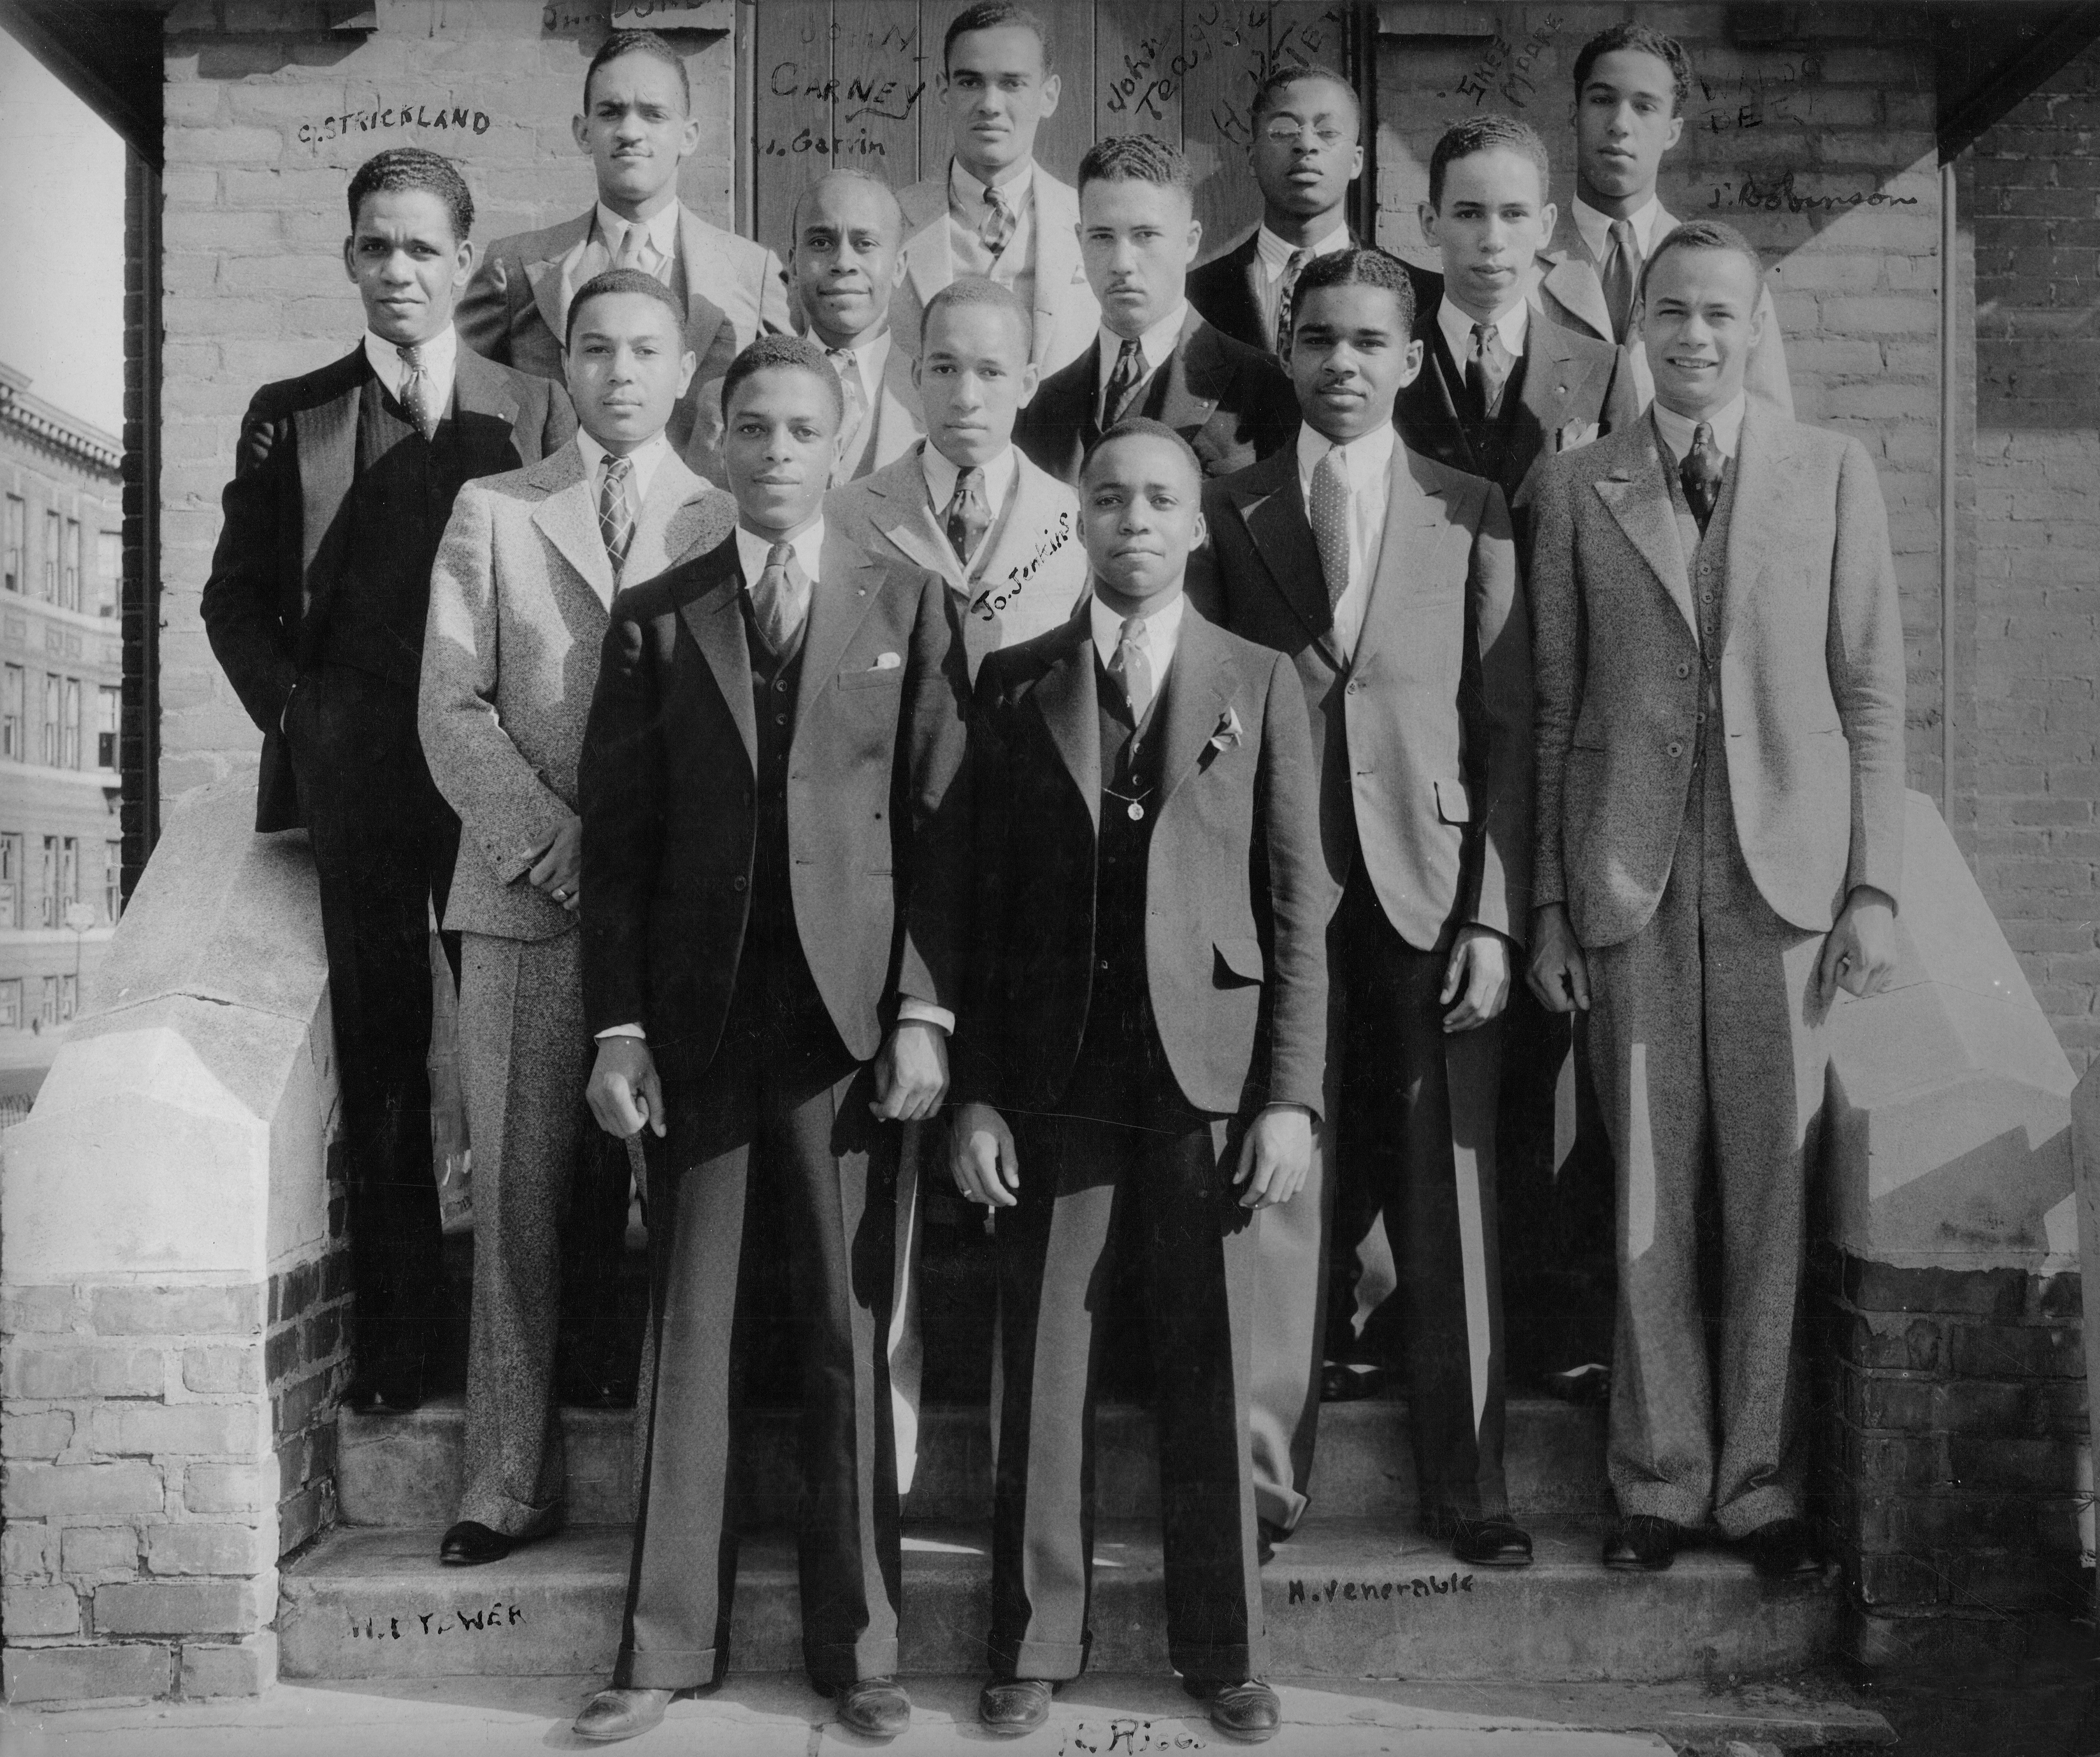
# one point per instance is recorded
(2035, 209)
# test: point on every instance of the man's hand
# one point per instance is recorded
(1477, 976)
(624, 1092)
(558, 872)
(1859, 953)
(1560, 975)
(911, 1073)
(980, 1156)
(1276, 1157)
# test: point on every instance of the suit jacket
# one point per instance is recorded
(1235, 955)
(1067, 312)
(1030, 581)
(1569, 292)
(895, 423)
(516, 309)
(1422, 737)
(1227, 290)
(281, 555)
(1231, 403)
(1572, 390)
(1812, 669)
(877, 812)
(517, 613)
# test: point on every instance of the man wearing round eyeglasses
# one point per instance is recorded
(1308, 149)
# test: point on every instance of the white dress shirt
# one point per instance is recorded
(1512, 326)
(642, 459)
(1274, 256)
(1153, 347)
(942, 475)
(1367, 470)
(967, 210)
(1595, 228)
(1162, 632)
(440, 360)
(870, 360)
(609, 231)
(1677, 431)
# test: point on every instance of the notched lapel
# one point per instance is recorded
(568, 518)
(839, 603)
(715, 623)
(1767, 465)
(1275, 520)
(1189, 381)
(327, 438)
(1199, 682)
(1064, 697)
(1640, 500)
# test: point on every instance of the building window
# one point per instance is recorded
(109, 702)
(68, 875)
(47, 890)
(109, 571)
(10, 879)
(68, 997)
(48, 1014)
(18, 537)
(10, 1004)
(54, 697)
(14, 735)
(69, 726)
(112, 881)
(54, 527)
(69, 585)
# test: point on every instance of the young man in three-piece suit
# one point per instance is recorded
(1392, 582)
(1143, 1038)
(519, 600)
(1720, 845)
(1155, 356)
(637, 126)
(774, 858)
(316, 607)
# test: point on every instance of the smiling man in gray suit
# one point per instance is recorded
(1720, 839)
(519, 600)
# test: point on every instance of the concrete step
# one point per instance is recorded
(1344, 1599)
(404, 1470)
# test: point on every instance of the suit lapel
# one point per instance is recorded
(671, 517)
(1198, 682)
(553, 278)
(929, 262)
(568, 518)
(1273, 509)
(1765, 469)
(1418, 521)
(1071, 711)
(1057, 265)
(1638, 494)
(1251, 279)
(849, 584)
(1189, 389)
(327, 439)
(907, 519)
(1431, 401)
(704, 317)
(1573, 283)
(715, 620)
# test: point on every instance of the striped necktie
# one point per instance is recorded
(615, 517)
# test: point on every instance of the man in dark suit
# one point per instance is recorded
(316, 605)
(1392, 581)
(771, 942)
(1308, 149)
(1154, 355)
(1145, 1011)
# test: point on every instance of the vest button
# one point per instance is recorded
(1684, 668)
(1675, 748)
(739, 883)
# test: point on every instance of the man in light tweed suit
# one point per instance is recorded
(519, 600)
(1720, 772)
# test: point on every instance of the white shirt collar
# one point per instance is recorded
(645, 458)
(1162, 632)
(1275, 255)
(1155, 344)
(1677, 432)
(751, 551)
(661, 229)
(1364, 459)
(942, 475)
(964, 187)
(1596, 228)
(870, 359)
(1457, 328)
(440, 360)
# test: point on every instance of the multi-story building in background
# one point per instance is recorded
(61, 674)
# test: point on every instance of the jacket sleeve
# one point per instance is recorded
(505, 810)
(482, 314)
(620, 789)
(1500, 625)
(242, 597)
(773, 317)
(1622, 404)
(560, 426)
(1288, 812)
(1557, 639)
(1766, 374)
(975, 1054)
(1864, 650)
(934, 727)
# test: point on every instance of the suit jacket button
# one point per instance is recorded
(1675, 748)
(739, 883)
(1684, 668)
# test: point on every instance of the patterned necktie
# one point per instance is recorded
(856, 412)
(781, 599)
(968, 516)
(1284, 295)
(1000, 222)
(636, 251)
(1487, 369)
(1122, 383)
(417, 397)
(1701, 473)
(1621, 274)
(1330, 523)
(616, 518)
(1131, 667)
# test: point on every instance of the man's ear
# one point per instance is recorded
(1031, 381)
(1199, 533)
(1414, 366)
(1549, 217)
(350, 256)
(689, 363)
(463, 269)
(577, 125)
(689, 142)
(1426, 215)
(1051, 87)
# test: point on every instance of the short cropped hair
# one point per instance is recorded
(1484, 134)
(975, 289)
(1136, 158)
(1698, 235)
(648, 42)
(1361, 267)
(1143, 427)
(802, 195)
(769, 352)
(995, 15)
(1268, 94)
(414, 168)
(1645, 41)
(624, 280)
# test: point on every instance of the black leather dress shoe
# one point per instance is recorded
(1641, 1543)
(1267, 1535)
(1247, 1711)
(876, 1708)
(1011, 1707)
(1490, 1543)
(470, 1543)
(1784, 1549)
(1347, 1381)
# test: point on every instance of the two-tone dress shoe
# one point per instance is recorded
(621, 1714)
(1490, 1543)
(1011, 1707)
(1641, 1543)
(876, 1708)
(1246, 1709)
(1785, 1549)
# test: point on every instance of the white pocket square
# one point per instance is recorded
(886, 662)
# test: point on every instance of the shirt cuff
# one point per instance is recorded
(924, 1013)
(621, 1031)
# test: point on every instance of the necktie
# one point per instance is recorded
(856, 412)
(1700, 473)
(1131, 667)
(1487, 369)
(1622, 273)
(1122, 383)
(1330, 523)
(417, 397)
(781, 598)
(616, 518)
(1284, 295)
(1000, 224)
(636, 251)
(968, 515)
